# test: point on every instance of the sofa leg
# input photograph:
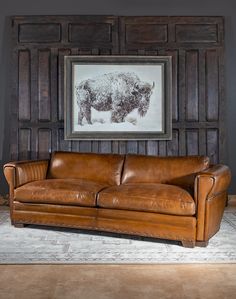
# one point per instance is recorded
(19, 225)
(188, 244)
(202, 243)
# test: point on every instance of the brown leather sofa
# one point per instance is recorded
(176, 198)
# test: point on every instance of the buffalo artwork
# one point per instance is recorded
(117, 92)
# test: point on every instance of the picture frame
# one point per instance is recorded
(117, 97)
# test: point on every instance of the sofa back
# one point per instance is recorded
(169, 170)
(103, 168)
(107, 168)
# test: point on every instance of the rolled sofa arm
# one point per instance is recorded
(210, 192)
(22, 172)
(217, 179)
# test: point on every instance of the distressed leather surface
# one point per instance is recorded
(210, 188)
(60, 191)
(179, 171)
(25, 171)
(220, 178)
(158, 198)
(119, 221)
(102, 168)
(143, 194)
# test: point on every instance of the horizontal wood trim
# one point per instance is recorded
(176, 125)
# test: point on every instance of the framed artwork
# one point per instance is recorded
(117, 97)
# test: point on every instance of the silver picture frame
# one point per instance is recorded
(117, 97)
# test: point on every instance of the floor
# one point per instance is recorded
(118, 281)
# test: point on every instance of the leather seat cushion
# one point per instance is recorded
(160, 198)
(60, 191)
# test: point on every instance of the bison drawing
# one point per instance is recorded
(118, 92)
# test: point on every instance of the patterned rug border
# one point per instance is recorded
(58, 246)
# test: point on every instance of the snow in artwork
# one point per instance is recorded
(117, 98)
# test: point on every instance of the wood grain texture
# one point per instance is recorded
(85, 33)
(44, 82)
(60, 76)
(24, 144)
(192, 33)
(212, 85)
(196, 45)
(44, 143)
(44, 32)
(192, 141)
(212, 144)
(192, 102)
(63, 145)
(175, 106)
(146, 33)
(172, 146)
(24, 85)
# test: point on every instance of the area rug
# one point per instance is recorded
(37, 244)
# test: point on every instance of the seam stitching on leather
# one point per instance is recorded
(23, 221)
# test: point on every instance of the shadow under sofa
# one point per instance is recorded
(175, 198)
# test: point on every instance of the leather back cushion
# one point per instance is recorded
(169, 170)
(103, 168)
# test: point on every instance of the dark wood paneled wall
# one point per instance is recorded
(198, 109)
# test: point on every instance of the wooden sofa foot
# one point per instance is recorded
(202, 243)
(188, 244)
(19, 225)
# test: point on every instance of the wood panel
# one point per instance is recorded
(146, 33)
(212, 85)
(192, 33)
(24, 85)
(44, 85)
(24, 144)
(61, 54)
(192, 141)
(196, 45)
(85, 33)
(63, 145)
(41, 32)
(212, 144)
(172, 146)
(44, 143)
(175, 106)
(192, 85)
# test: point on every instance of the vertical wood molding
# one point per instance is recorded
(196, 45)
